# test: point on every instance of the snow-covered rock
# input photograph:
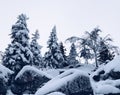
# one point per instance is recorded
(4, 78)
(29, 79)
(106, 80)
(71, 82)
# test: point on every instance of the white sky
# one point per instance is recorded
(71, 17)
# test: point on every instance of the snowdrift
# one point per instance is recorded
(71, 82)
(29, 79)
(106, 80)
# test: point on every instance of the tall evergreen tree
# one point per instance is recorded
(53, 57)
(35, 48)
(18, 53)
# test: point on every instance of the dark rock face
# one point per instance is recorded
(96, 78)
(29, 82)
(79, 86)
(114, 74)
(3, 87)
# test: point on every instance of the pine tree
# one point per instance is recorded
(53, 57)
(35, 48)
(72, 55)
(18, 53)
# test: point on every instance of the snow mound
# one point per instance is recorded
(114, 64)
(5, 72)
(56, 93)
(106, 80)
(67, 80)
(106, 88)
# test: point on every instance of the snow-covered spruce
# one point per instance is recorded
(4, 79)
(106, 80)
(71, 82)
(53, 58)
(18, 53)
(29, 79)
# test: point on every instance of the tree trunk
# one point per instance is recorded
(86, 61)
(96, 59)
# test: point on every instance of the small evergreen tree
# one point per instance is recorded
(53, 57)
(62, 49)
(63, 52)
(18, 53)
(105, 56)
(72, 55)
(35, 48)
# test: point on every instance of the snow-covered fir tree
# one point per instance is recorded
(53, 58)
(35, 48)
(71, 60)
(18, 53)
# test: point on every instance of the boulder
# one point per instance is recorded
(28, 80)
(71, 82)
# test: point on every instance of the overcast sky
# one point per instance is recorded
(71, 17)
